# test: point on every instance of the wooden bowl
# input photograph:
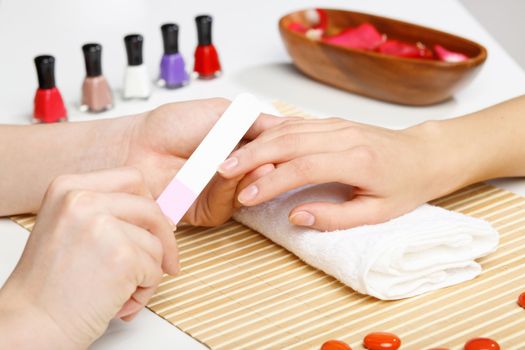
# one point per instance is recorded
(401, 80)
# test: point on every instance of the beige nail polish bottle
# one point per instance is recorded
(96, 93)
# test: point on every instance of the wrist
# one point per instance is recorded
(107, 143)
(24, 326)
(443, 158)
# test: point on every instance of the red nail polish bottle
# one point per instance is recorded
(49, 106)
(207, 65)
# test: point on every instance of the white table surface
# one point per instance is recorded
(253, 58)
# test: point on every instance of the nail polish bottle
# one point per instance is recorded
(172, 67)
(49, 105)
(96, 93)
(137, 84)
(207, 63)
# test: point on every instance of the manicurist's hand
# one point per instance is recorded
(157, 143)
(98, 250)
(163, 139)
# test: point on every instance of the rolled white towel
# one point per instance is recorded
(424, 250)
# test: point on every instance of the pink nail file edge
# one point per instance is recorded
(198, 170)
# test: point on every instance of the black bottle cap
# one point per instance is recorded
(93, 59)
(134, 49)
(170, 37)
(45, 69)
(204, 29)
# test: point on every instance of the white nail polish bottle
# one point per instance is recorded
(137, 84)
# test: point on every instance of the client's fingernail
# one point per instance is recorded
(228, 164)
(302, 218)
(248, 194)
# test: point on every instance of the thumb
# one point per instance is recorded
(327, 216)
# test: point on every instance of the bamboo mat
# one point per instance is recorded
(238, 290)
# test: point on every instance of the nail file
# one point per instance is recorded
(198, 170)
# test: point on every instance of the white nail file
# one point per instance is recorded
(202, 165)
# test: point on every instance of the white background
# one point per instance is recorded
(254, 59)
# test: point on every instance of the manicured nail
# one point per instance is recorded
(248, 194)
(302, 218)
(228, 164)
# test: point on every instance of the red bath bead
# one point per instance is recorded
(481, 344)
(335, 345)
(382, 341)
(521, 300)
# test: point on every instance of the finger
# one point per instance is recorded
(285, 148)
(265, 122)
(303, 126)
(326, 216)
(252, 177)
(215, 204)
(344, 167)
(151, 244)
(145, 213)
(149, 275)
(125, 179)
(137, 302)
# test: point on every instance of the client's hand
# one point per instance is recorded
(163, 139)
(387, 172)
(98, 251)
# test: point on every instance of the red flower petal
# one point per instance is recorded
(403, 49)
(298, 27)
(449, 56)
(364, 36)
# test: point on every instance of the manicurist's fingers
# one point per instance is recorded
(136, 211)
(126, 179)
(148, 274)
(145, 213)
(326, 216)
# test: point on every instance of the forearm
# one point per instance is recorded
(32, 156)
(483, 145)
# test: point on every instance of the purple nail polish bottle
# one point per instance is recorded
(172, 67)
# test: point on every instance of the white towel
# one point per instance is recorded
(424, 250)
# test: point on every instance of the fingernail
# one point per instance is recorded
(302, 218)
(248, 194)
(228, 164)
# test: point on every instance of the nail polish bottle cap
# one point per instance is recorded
(45, 69)
(204, 29)
(93, 59)
(170, 37)
(134, 49)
